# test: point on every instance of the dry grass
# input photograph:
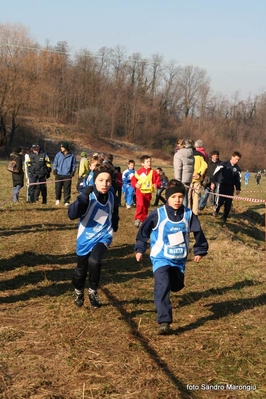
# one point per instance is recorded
(52, 350)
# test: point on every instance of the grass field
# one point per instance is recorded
(49, 349)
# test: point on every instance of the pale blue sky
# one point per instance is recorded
(225, 37)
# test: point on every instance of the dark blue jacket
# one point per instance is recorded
(201, 245)
(228, 175)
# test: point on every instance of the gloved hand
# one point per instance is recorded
(88, 190)
(55, 172)
(48, 175)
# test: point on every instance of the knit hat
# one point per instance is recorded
(105, 168)
(65, 145)
(18, 150)
(83, 154)
(175, 187)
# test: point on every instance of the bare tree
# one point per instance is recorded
(191, 81)
(17, 75)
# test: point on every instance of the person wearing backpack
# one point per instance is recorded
(17, 177)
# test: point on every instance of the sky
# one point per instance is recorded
(227, 38)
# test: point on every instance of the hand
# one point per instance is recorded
(138, 185)
(197, 258)
(237, 192)
(72, 174)
(55, 172)
(212, 186)
(88, 190)
(139, 256)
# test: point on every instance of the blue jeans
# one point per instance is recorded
(15, 192)
(204, 198)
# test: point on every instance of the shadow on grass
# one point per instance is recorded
(220, 310)
(148, 349)
(31, 259)
(223, 309)
(35, 228)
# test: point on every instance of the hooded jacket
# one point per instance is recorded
(184, 165)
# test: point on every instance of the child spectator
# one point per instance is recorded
(246, 178)
(88, 179)
(145, 181)
(127, 189)
(118, 183)
(97, 208)
(168, 229)
(164, 180)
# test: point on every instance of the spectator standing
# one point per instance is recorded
(18, 176)
(127, 188)
(64, 169)
(118, 183)
(213, 162)
(164, 180)
(200, 167)
(199, 146)
(83, 165)
(97, 208)
(246, 178)
(258, 177)
(184, 164)
(145, 181)
(168, 228)
(228, 176)
(39, 169)
(26, 160)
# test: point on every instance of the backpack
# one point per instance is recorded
(12, 167)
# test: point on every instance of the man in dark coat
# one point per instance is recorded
(228, 176)
(39, 168)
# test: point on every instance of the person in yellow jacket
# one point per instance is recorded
(83, 165)
(145, 181)
(200, 168)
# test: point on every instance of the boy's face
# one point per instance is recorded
(131, 165)
(147, 163)
(103, 182)
(234, 160)
(176, 200)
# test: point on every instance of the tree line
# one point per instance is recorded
(129, 98)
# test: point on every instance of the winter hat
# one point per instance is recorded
(174, 186)
(65, 145)
(83, 154)
(18, 150)
(105, 168)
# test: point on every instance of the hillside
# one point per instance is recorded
(49, 134)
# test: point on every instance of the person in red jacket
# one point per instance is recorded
(145, 181)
